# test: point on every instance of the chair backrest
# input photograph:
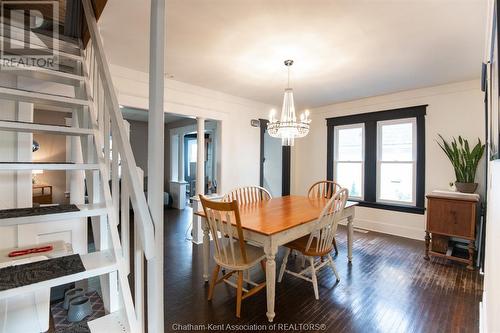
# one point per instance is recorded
(323, 189)
(326, 226)
(248, 194)
(220, 216)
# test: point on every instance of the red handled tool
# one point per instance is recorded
(31, 251)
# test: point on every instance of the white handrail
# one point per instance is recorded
(120, 138)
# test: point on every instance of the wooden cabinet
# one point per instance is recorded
(451, 214)
(42, 194)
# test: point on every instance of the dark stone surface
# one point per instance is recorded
(34, 211)
(23, 275)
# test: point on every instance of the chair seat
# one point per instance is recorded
(301, 245)
(254, 255)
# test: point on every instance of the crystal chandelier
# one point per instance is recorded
(288, 128)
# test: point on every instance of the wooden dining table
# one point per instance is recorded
(276, 222)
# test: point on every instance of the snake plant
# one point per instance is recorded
(463, 159)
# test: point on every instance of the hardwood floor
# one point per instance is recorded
(388, 288)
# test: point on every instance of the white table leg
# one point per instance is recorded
(270, 251)
(206, 249)
(350, 231)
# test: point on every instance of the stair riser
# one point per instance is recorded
(36, 166)
(49, 75)
(52, 217)
(44, 129)
(41, 40)
(63, 59)
(43, 99)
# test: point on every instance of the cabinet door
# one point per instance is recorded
(451, 217)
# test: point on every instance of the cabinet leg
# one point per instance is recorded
(427, 244)
(472, 250)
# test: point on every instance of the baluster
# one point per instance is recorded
(139, 285)
(115, 177)
(100, 110)
(125, 210)
(106, 140)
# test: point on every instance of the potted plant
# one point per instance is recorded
(464, 161)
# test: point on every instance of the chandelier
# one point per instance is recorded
(288, 128)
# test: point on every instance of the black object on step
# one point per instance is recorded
(77, 328)
(23, 275)
(34, 211)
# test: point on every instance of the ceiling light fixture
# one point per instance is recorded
(288, 128)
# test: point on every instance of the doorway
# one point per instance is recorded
(274, 163)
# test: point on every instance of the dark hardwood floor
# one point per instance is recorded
(388, 288)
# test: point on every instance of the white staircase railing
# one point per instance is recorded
(113, 148)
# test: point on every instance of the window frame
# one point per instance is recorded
(413, 162)
(362, 161)
(370, 179)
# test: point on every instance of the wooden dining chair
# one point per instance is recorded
(248, 194)
(319, 243)
(324, 189)
(231, 251)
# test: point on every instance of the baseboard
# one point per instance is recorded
(482, 316)
(390, 229)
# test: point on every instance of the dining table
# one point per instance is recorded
(275, 222)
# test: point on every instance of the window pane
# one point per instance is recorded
(350, 144)
(397, 142)
(349, 176)
(396, 182)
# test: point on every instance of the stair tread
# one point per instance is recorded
(46, 216)
(21, 126)
(94, 264)
(42, 98)
(70, 41)
(35, 272)
(36, 162)
(36, 211)
(81, 327)
(60, 53)
(46, 74)
(115, 322)
(47, 166)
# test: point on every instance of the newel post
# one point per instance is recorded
(155, 161)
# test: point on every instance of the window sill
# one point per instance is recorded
(393, 207)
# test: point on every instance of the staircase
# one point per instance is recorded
(104, 164)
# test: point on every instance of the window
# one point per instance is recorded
(349, 158)
(396, 161)
(380, 157)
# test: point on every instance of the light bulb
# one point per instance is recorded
(307, 114)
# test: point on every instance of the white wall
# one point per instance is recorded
(454, 109)
(491, 298)
(240, 142)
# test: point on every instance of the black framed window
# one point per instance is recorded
(380, 157)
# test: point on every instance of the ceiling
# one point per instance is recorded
(343, 50)
(142, 115)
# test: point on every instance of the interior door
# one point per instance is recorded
(274, 163)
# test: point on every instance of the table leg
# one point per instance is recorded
(206, 249)
(270, 251)
(471, 249)
(427, 244)
(350, 236)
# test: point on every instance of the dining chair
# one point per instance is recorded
(319, 243)
(248, 194)
(324, 189)
(231, 252)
